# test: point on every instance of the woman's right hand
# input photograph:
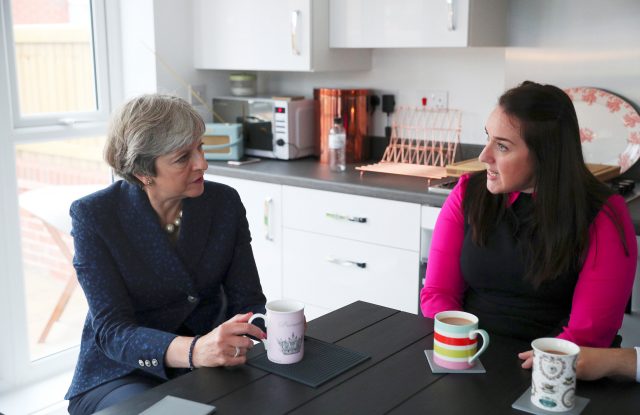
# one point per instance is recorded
(218, 347)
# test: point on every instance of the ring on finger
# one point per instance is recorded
(237, 353)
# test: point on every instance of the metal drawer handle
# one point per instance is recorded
(295, 16)
(268, 222)
(346, 262)
(450, 25)
(345, 217)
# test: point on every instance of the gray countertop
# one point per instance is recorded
(311, 174)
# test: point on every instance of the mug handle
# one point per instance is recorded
(262, 316)
(472, 335)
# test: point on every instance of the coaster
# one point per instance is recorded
(322, 362)
(523, 403)
(435, 368)
(170, 405)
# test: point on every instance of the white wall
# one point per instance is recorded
(157, 51)
(564, 42)
(137, 45)
(473, 78)
(173, 22)
(576, 43)
(567, 43)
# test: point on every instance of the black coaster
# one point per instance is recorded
(321, 362)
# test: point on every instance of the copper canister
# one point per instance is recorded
(351, 105)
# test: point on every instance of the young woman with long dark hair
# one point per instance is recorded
(535, 246)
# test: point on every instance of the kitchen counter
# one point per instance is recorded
(311, 174)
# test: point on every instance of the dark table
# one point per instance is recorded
(395, 380)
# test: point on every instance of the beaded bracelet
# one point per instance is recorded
(193, 344)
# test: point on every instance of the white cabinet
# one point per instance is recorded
(339, 248)
(329, 249)
(330, 272)
(429, 216)
(417, 23)
(263, 202)
(268, 35)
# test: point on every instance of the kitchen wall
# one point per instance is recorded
(564, 42)
(576, 43)
(157, 48)
(473, 78)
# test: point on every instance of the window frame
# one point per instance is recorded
(101, 73)
(16, 367)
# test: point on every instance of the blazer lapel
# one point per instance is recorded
(194, 232)
(149, 240)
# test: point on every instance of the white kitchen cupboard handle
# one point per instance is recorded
(295, 16)
(450, 25)
(346, 262)
(268, 220)
(338, 216)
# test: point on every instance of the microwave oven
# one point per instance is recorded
(271, 127)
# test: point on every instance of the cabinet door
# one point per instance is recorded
(416, 23)
(330, 272)
(252, 34)
(264, 214)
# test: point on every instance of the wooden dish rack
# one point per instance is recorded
(423, 142)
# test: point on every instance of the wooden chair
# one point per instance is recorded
(51, 205)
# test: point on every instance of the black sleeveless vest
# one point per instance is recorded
(497, 291)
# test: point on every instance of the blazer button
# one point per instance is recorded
(192, 299)
(141, 362)
(147, 363)
(154, 362)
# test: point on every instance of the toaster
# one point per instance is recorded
(223, 141)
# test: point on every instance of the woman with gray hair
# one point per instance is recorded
(164, 259)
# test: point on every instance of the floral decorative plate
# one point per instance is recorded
(609, 127)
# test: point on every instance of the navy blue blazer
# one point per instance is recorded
(141, 289)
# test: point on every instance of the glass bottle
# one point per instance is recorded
(337, 142)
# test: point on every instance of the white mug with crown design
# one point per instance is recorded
(284, 321)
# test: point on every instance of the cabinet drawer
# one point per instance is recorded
(331, 272)
(367, 219)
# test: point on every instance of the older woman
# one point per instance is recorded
(164, 259)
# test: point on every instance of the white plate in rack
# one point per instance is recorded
(609, 127)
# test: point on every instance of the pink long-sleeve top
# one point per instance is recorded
(602, 290)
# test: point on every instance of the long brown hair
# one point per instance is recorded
(567, 197)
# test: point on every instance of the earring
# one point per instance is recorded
(148, 182)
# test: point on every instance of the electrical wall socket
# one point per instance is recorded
(429, 98)
(200, 90)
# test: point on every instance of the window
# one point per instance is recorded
(52, 128)
(55, 53)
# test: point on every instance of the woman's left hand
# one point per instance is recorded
(528, 359)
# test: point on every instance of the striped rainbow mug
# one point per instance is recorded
(455, 340)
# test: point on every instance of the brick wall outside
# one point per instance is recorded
(40, 11)
(39, 250)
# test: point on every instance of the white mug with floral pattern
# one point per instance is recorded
(553, 380)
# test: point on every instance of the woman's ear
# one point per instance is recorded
(145, 180)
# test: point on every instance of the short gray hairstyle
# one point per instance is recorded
(147, 127)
